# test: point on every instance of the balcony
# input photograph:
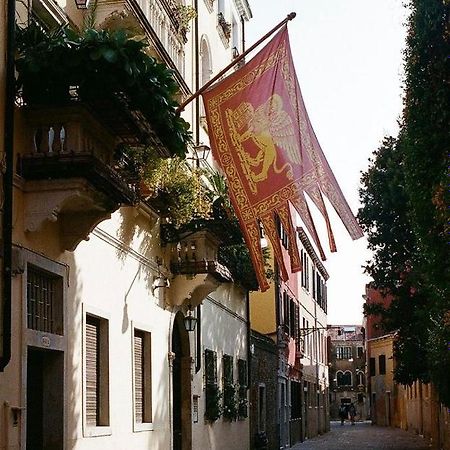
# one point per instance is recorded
(68, 172)
(196, 270)
(78, 110)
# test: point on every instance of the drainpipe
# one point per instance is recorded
(249, 353)
(196, 76)
(8, 185)
(243, 33)
(316, 351)
(198, 362)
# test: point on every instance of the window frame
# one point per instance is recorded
(343, 352)
(382, 364)
(104, 319)
(262, 408)
(147, 423)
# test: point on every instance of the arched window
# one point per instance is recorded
(360, 378)
(206, 69)
(344, 378)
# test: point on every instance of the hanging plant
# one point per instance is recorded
(176, 190)
(183, 15)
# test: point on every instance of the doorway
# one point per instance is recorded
(181, 387)
(45, 400)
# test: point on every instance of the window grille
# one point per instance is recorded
(44, 301)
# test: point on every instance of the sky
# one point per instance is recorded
(348, 59)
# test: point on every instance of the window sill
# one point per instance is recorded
(97, 431)
(138, 427)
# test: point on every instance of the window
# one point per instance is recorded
(343, 352)
(261, 408)
(292, 318)
(360, 352)
(344, 378)
(372, 367)
(360, 378)
(382, 364)
(286, 312)
(212, 397)
(210, 367)
(284, 237)
(142, 377)
(97, 372)
(242, 392)
(296, 410)
(227, 362)
(206, 69)
(44, 301)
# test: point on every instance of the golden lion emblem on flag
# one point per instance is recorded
(270, 128)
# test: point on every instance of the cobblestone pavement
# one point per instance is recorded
(364, 436)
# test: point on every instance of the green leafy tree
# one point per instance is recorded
(405, 212)
(426, 141)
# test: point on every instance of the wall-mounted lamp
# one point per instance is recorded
(200, 153)
(189, 320)
(82, 4)
(160, 282)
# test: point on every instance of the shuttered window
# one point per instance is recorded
(92, 371)
(97, 378)
(210, 367)
(142, 377)
(227, 362)
(139, 376)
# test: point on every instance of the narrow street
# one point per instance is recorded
(364, 436)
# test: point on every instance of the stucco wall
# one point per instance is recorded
(223, 330)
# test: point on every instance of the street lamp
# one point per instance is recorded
(202, 152)
(189, 320)
(82, 4)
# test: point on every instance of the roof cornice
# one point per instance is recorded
(304, 239)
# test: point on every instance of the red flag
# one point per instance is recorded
(263, 140)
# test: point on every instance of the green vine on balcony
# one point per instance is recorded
(94, 66)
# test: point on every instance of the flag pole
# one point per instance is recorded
(289, 17)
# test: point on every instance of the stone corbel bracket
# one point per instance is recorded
(73, 203)
(191, 290)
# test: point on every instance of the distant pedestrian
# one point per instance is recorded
(352, 413)
(343, 413)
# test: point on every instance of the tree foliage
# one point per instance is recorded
(405, 212)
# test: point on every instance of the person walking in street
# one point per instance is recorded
(352, 413)
(343, 413)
